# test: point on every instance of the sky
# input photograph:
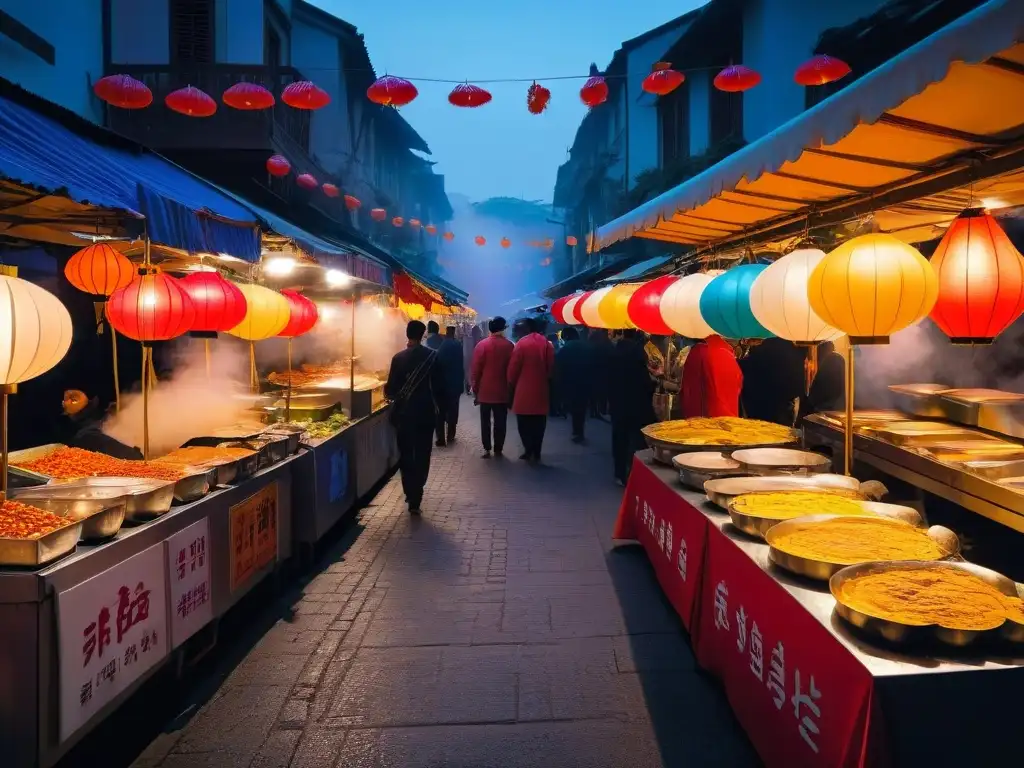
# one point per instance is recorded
(499, 149)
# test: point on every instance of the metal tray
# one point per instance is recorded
(721, 491)
(230, 432)
(994, 469)
(915, 434)
(756, 526)
(965, 406)
(823, 570)
(695, 469)
(144, 498)
(787, 461)
(101, 515)
(665, 450)
(920, 399)
(291, 435)
(271, 448)
(32, 553)
(897, 632)
(196, 484)
(863, 418)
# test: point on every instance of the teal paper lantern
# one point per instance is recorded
(725, 304)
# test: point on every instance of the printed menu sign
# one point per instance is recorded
(253, 534)
(112, 629)
(188, 574)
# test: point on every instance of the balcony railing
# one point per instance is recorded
(161, 128)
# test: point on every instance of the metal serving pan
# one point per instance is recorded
(897, 632)
(100, 511)
(271, 448)
(144, 498)
(291, 434)
(919, 433)
(864, 418)
(920, 399)
(695, 469)
(965, 406)
(197, 483)
(994, 469)
(823, 570)
(783, 461)
(32, 553)
(664, 450)
(721, 491)
(757, 526)
(230, 432)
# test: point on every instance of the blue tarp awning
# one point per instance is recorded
(181, 210)
(638, 270)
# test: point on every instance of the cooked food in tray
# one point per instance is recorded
(852, 540)
(20, 521)
(720, 431)
(68, 463)
(208, 455)
(239, 430)
(785, 505)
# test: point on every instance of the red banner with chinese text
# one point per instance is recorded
(673, 534)
(802, 698)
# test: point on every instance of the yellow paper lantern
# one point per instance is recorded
(591, 312)
(613, 306)
(35, 331)
(872, 286)
(680, 306)
(266, 314)
(567, 309)
(778, 299)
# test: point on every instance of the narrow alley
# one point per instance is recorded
(500, 629)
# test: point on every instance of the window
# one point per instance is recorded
(192, 31)
(726, 116)
(674, 121)
(271, 47)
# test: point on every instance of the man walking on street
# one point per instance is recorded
(434, 340)
(573, 378)
(414, 384)
(449, 357)
(529, 374)
(630, 399)
(489, 378)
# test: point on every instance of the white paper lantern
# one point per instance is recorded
(778, 299)
(35, 330)
(680, 306)
(567, 309)
(591, 316)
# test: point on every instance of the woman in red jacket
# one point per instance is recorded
(712, 380)
(529, 375)
(489, 379)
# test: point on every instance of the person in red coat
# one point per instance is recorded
(489, 378)
(711, 381)
(529, 375)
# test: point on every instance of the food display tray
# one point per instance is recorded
(781, 461)
(101, 514)
(907, 634)
(694, 470)
(920, 399)
(664, 450)
(291, 434)
(233, 433)
(721, 491)
(758, 527)
(32, 553)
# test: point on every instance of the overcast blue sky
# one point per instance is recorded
(499, 149)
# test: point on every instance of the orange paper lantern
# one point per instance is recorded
(431, 229)
(352, 202)
(305, 95)
(505, 242)
(398, 221)
(480, 240)
(449, 236)
(378, 214)
(99, 269)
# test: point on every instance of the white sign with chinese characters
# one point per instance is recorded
(112, 629)
(188, 574)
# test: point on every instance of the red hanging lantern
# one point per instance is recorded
(556, 308)
(398, 221)
(480, 240)
(123, 91)
(278, 165)
(546, 261)
(305, 95)
(431, 229)
(330, 189)
(191, 102)
(505, 242)
(449, 236)
(303, 314)
(571, 241)
(378, 214)
(468, 95)
(820, 70)
(152, 307)
(595, 90)
(414, 223)
(577, 315)
(307, 181)
(644, 307)
(537, 98)
(391, 91)
(248, 97)
(99, 269)
(663, 79)
(219, 304)
(736, 79)
(981, 279)
(352, 202)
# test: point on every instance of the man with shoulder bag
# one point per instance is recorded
(415, 388)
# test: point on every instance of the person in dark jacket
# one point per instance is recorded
(449, 357)
(630, 401)
(415, 382)
(601, 355)
(828, 390)
(84, 428)
(573, 377)
(434, 338)
(773, 380)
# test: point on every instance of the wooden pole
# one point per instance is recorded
(5, 391)
(117, 376)
(352, 362)
(146, 354)
(206, 346)
(254, 383)
(848, 430)
(288, 396)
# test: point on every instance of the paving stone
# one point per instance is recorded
(277, 750)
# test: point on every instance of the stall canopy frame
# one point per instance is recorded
(947, 113)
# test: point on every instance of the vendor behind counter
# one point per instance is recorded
(83, 428)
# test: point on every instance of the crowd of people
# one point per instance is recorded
(580, 372)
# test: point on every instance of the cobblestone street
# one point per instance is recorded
(497, 630)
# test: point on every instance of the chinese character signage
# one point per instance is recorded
(188, 575)
(253, 524)
(112, 629)
(672, 532)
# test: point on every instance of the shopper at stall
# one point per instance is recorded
(84, 428)
(773, 381)
(469, 341)
(449, 357)
(601, 349)
(414, 386)
(434, 338)
(828, 390)
(489, 377)
(573, 378)
(630, 401)
(712, 380)
(529, 373)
